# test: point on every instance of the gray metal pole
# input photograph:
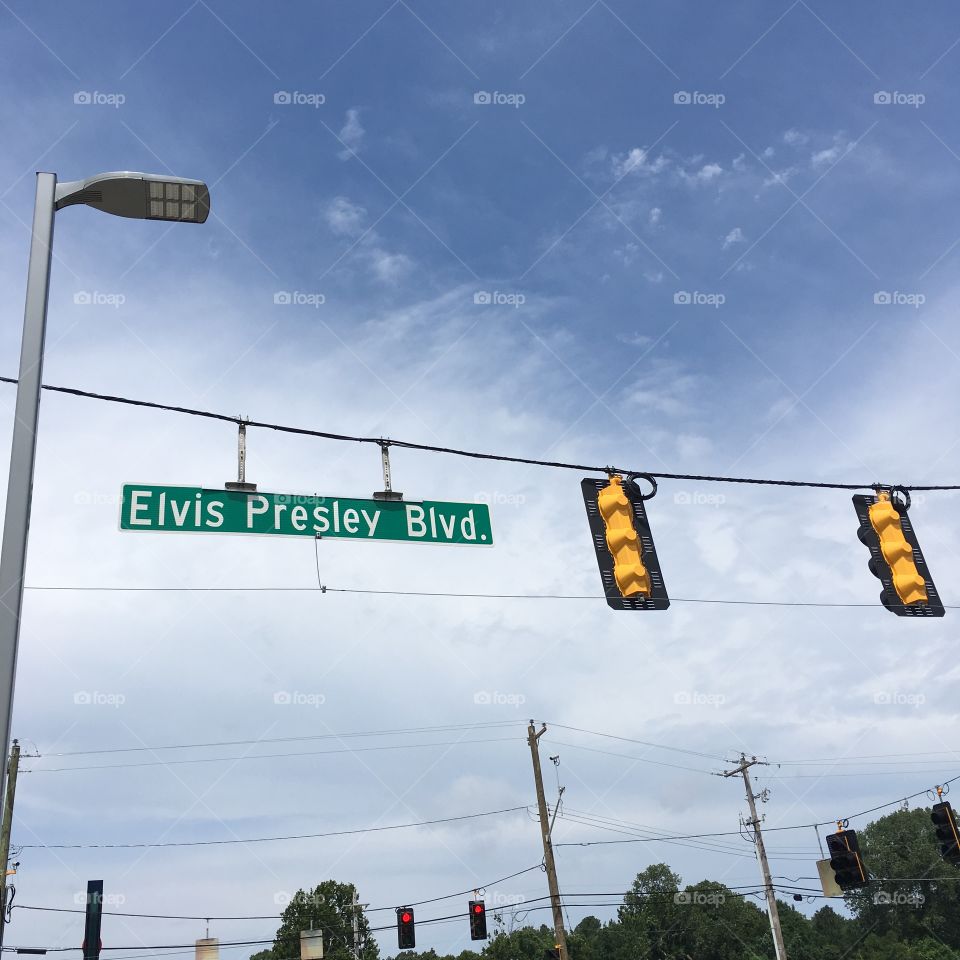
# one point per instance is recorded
(13, 552)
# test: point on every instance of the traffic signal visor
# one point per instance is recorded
(622, 540)
(897, 553)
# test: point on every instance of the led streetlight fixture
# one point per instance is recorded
(143, 196)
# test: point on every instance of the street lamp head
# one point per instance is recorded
(143, 196)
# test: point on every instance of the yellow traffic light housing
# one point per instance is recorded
(622, 540)
(629, 568)
(895, 555)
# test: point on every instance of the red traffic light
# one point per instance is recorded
(406, 917)
(478, 908)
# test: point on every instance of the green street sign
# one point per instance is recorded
(195, 510)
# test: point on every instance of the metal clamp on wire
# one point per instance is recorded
(631, 479)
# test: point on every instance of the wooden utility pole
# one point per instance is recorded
(533, 738)
(12, 767)
(754, 821)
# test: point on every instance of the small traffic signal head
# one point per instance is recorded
(629, 568)
(478, 920)
(406, 935)
(895, 556)
(845, 860)
(945, 823)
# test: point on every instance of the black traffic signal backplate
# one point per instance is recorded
(658, 599)
(878, 566)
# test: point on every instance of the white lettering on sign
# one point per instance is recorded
(136, 506)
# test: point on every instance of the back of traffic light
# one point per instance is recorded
(945, 823)
(629, 568)
(895, 555)
(406, 934)
(478, 920)
(845, 861)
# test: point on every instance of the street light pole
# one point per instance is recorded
(123, 193)
(16, 524)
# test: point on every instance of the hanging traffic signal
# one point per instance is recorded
(478, 920)
(406, 937)
(629, 568)
(895, 556)
(945, 822)
(845, 860)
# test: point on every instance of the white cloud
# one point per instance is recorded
(795, 138)
(344, 217)
(734, 236)
(707, 173)
(637, 161)
(655, 214)
(351, 133)
(389, 267)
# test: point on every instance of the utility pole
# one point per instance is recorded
(754, 821)
(356, 925)
(533, 738)
(12, 768)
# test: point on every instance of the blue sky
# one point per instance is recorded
(790, 169)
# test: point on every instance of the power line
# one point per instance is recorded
(302, 836)
(642, 743)
(269, 756)
(323, 588)
(445, 728)
(453, 451)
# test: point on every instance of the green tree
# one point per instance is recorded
(327, 907)
(525, 943)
